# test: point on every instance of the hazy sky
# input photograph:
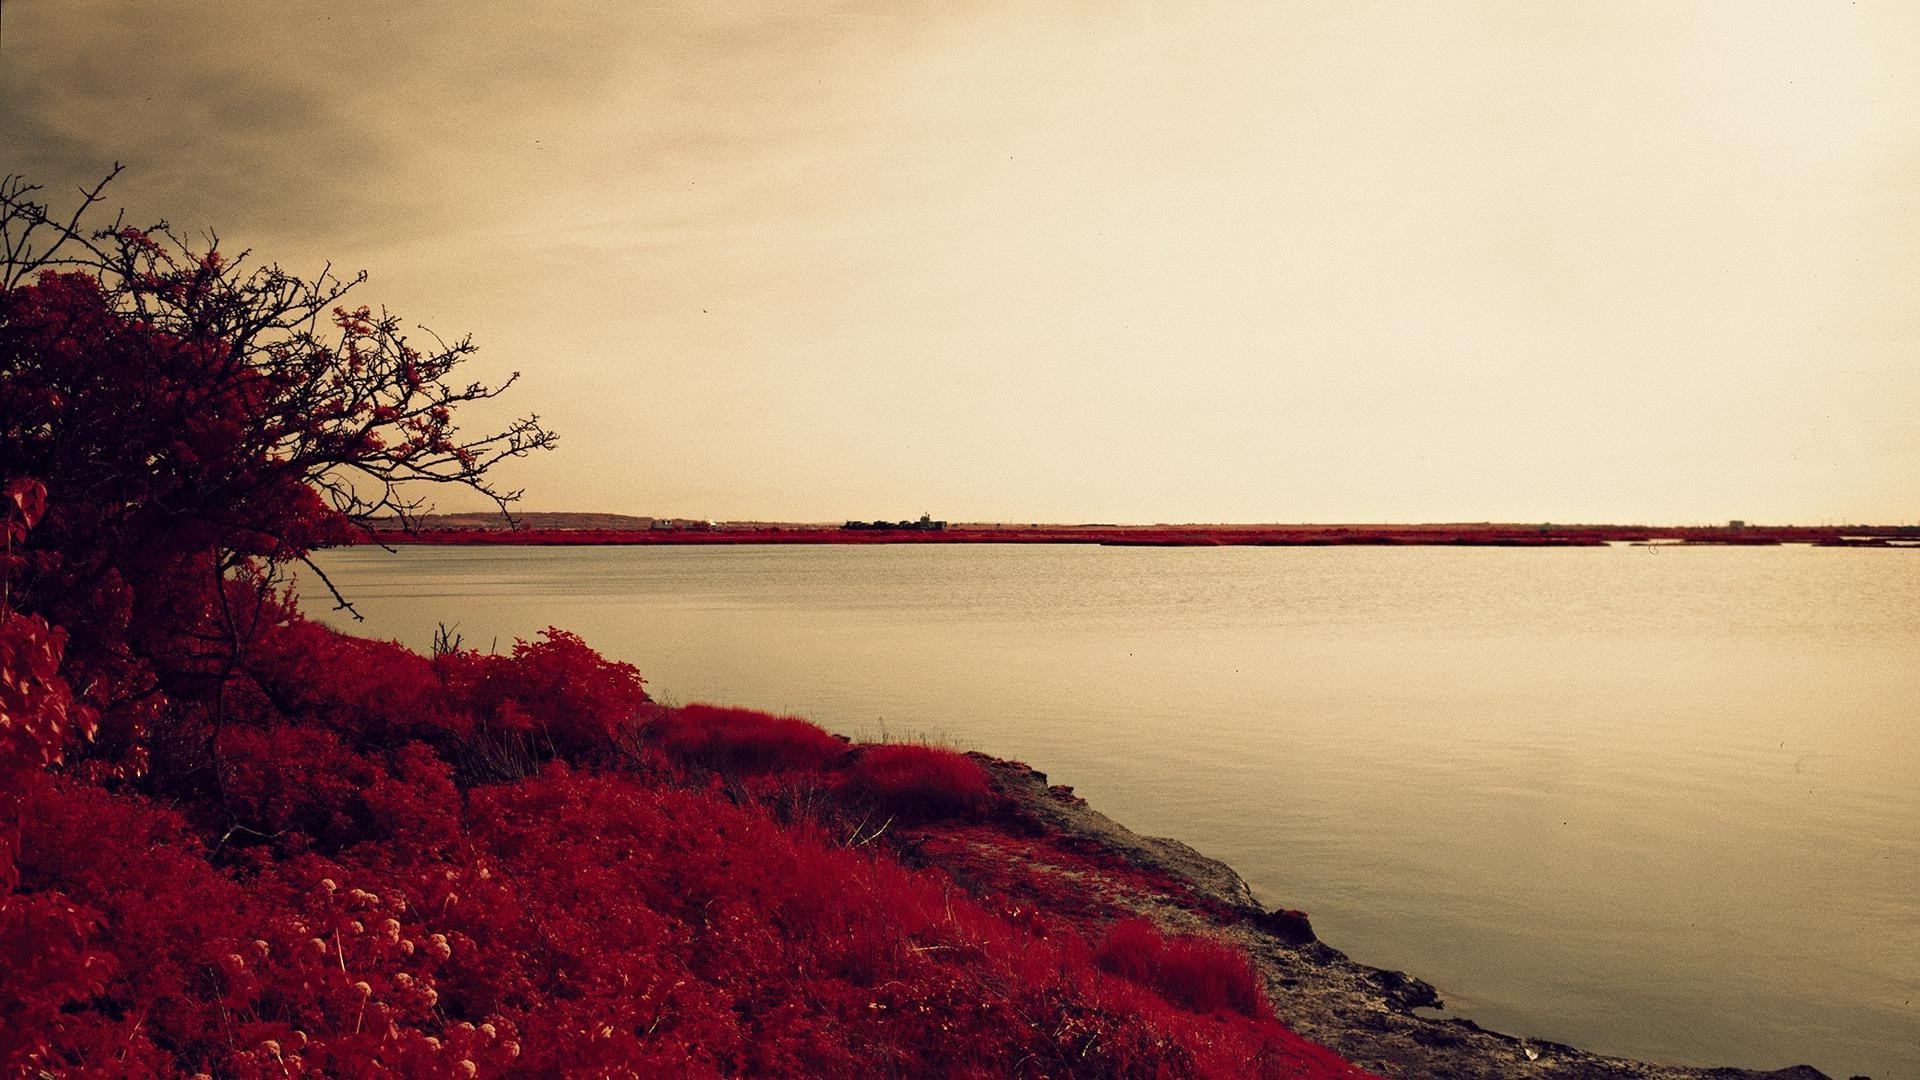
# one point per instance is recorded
(1055, 262)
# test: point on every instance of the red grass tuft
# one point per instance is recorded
(920, 782)
(745, 741)
(1198, 973)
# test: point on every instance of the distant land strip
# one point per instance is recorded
(543, 528)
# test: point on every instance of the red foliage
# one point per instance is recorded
(1196, 972)
(197, 422)
(745, 741)
(550, 698)
(41, 713)
(375, 692)
(156, 925)
(45, 952)
(919, 782)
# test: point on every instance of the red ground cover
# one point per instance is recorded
(919, 783)
(745, 741)
(1195, 972)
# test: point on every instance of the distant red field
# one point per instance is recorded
(1477, 534)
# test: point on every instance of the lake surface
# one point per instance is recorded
(1658, 802)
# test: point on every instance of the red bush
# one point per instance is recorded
(198, 419)
(150, 923)
(370, 692)
(556, 695)
(42, 715)
(745, 741)
(1198, 973)
(920, 783)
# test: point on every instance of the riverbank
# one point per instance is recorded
(1368, 1015)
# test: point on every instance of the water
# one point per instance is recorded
(1658, 802)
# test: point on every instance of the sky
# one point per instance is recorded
(1120, 261)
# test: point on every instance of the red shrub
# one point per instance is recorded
(919, 782)
(298, 780)
(559, 695)
(372, 692)
(152, 924)
(303, 785)
(745, 741)
(1198, 973)
(39, 716)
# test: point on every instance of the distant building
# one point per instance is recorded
(925, 524)
(1736, 523)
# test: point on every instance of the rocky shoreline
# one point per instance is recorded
(1366, 1014)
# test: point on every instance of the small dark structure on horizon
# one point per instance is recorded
(925, 524)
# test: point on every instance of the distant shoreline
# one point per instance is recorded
(557, 529)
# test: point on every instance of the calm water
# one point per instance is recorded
(1655, 802)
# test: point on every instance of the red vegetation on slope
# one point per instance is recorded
(745, 741)
(919, 783)
(1198, 973)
